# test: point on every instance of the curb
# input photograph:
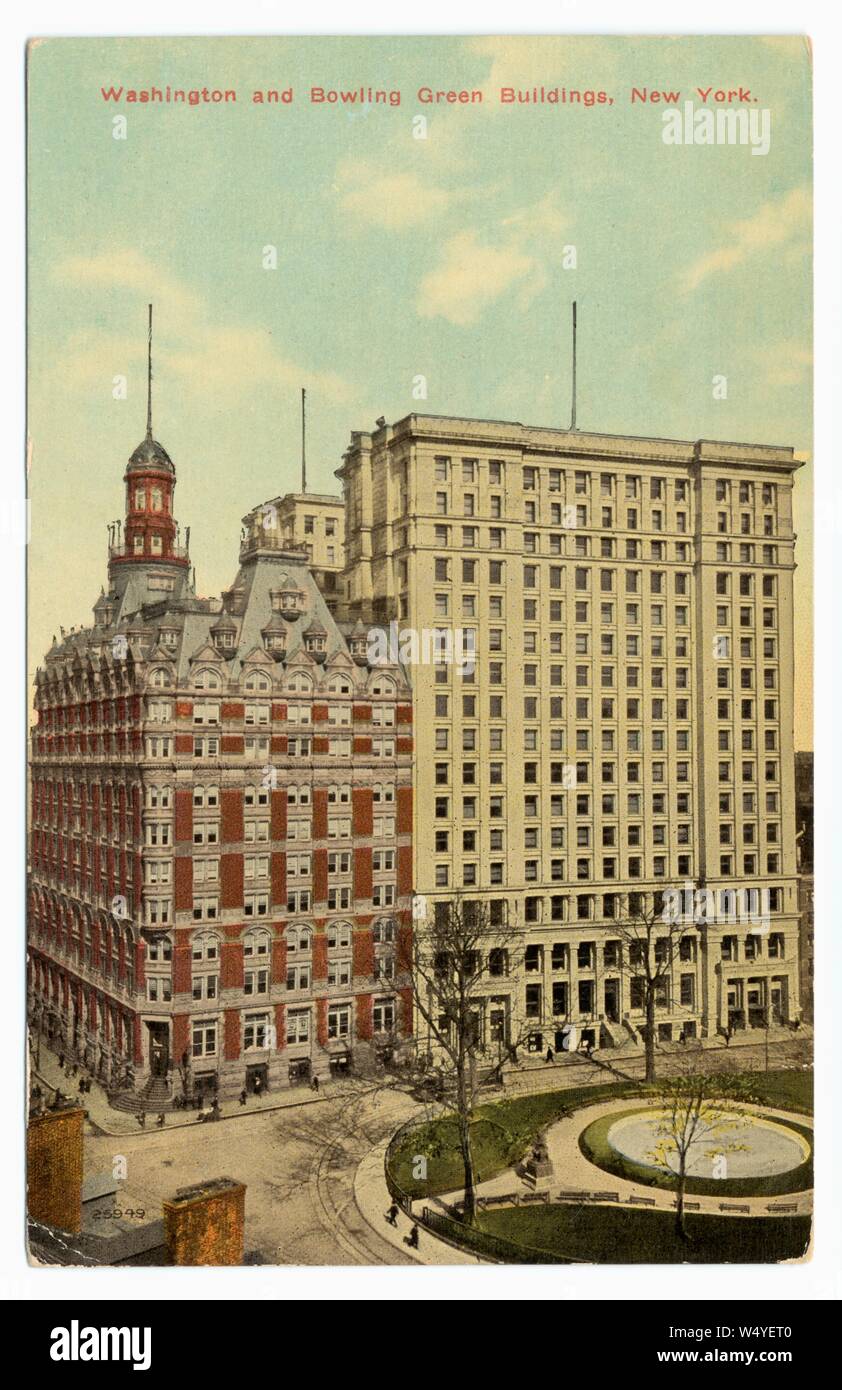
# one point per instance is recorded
(189, 1124)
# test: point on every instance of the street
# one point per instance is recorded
(298, 1165)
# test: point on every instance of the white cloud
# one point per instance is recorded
(469, 277)
(473, 270)
(378, 197)
(780, 225)
(784, 363)
(227, 361)
(127, 269)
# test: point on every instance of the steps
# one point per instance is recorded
(154, 1098)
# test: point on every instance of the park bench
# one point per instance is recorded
(571, 1196)
(782, 1206)
(605, 1196)
(503, 1199)
(535, 1197)
(743, 1208)
(642, 1201)
(689, 1206)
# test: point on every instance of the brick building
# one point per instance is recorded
(221, 823)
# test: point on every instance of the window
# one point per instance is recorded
(339, 1021)
(204, 1037)
(298, 1026)
(255, 1032)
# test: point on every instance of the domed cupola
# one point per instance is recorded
(150, 454)
(151, 533)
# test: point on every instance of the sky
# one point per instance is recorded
(327, 246)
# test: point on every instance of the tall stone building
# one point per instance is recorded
(627, 726)
(221, 823)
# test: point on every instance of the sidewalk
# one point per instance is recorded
(116, 1123)
(574, 1172)
(373, 1200)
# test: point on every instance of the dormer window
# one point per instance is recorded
(315, 641)
(290, 601)
(168, 636)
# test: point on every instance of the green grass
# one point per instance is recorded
(603, 1235)
(783, 1090)
(595, 1145)
(504, 1129)
(502, 1132)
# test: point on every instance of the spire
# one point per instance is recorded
(303, 441)
(149, 380)
(573, 383)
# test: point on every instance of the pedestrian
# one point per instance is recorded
(412, 1239)
(243, 1096)
(549, 1054)
(162, 1120)
(215, 1113)
(61, 1060)
(314, 1084)
(392, 1214)
(141, 1119)
(257, 1087)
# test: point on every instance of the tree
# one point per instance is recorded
(453, 956)
(700, 1116)
(652, 940)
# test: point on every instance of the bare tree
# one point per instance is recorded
(454, 955)
(701, 1117)
(652, 940)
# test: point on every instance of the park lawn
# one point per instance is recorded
(595, 1145)
(605, 1235)
(504, 1129)
(784, 1090)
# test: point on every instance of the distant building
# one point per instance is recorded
(804, 841)
(311, 521)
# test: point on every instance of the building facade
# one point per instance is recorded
(626, 726)
(806, 880)
(221, 823)
(314, 522)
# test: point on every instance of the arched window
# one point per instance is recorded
(160, 678)
(207, 679)
(206, 946)
(298, 940)
(139, 499)
(383, 931)
(257, 680)
(257, 942)
(339, 795)
(157, 499)
(300, 683)
(383, 685)
(340, 685)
